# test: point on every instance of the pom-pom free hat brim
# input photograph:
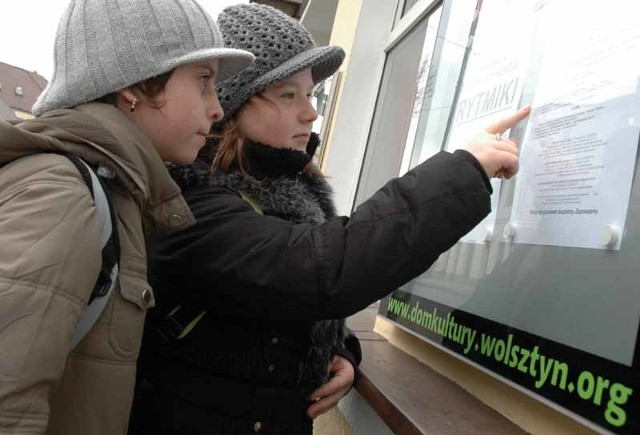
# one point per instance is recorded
(231, 61)
(323, 61)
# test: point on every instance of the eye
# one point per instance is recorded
(288, 95)
(206, 80)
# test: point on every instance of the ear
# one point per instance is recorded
(127, 96)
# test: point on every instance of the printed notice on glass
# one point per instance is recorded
(579, 151)
(492, 83)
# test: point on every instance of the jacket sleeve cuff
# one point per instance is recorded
(345, 353)
(351, 351)
(472, 159)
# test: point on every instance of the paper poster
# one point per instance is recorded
(579, 152)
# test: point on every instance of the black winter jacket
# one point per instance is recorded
(265, 280)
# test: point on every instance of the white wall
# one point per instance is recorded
(354, 115)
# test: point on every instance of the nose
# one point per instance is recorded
(214, 109)
(309, 113)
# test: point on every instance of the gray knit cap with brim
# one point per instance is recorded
(103, 46)
(282, 46)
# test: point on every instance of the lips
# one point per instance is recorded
(203, 135)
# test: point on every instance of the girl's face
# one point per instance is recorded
(282, 116)
(185, 111)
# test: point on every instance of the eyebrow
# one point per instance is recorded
(285, 83)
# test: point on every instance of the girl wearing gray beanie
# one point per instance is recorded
(247, 335)
(133, 86)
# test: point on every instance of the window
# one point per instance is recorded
(535, 294)
(392, 114)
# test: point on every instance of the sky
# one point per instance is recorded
(29, 28)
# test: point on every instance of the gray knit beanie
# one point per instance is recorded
(103, 46)
(282, 48)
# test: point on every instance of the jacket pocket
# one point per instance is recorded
(130, 306)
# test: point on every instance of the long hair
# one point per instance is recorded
(228, 149)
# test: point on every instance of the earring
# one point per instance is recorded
(133, 104)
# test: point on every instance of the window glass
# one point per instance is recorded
(421, 84)
(392, 114)
(442, 81)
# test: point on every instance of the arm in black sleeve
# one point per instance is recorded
(330, 270)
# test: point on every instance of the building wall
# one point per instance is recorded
(342, 35)
(30, 84)
(362, 71)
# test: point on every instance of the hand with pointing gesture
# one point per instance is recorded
(498, 157)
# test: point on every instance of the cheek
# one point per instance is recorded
(179, 125)
(252, 127)
(182, 113)
(265, 126)
(257, 132)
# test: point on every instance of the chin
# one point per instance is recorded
(185, 159)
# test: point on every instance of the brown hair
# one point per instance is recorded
(229, 149)
(148, 90)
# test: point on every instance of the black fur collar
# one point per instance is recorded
(304, 199)
(266, 161)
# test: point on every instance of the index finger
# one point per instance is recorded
(506, 123)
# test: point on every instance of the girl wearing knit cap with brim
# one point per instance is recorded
(248, 333)
(133, 86)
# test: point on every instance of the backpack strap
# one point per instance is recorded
(110, 245)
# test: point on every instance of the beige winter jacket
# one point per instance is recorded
(49, 261)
